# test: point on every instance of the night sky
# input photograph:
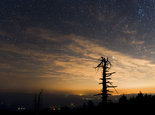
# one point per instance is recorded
(55, 44)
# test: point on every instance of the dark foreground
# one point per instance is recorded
(111, 109)
(139, 105)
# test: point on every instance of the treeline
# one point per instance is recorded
(141, 98)
(136, 105)
(140, 104)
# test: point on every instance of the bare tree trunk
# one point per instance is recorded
(105, 65)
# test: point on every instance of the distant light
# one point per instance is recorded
(53, 108)
(72, 105)
(81, 94)
(21, 108)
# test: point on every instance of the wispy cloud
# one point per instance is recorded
(136, 42)
(131, 72)
(73, 67)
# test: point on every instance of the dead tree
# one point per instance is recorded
(106, 84)
(37, 104)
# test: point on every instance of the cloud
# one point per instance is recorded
(130, 72)
(73, 67)
(137, 42)
(129, 31)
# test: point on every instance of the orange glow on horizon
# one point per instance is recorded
(82, 92)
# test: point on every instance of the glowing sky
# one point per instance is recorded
(55, 44)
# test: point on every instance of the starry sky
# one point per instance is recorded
(55, 44)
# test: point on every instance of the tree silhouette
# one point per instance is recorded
(105, 65)
(123, 99)
(37, 102)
